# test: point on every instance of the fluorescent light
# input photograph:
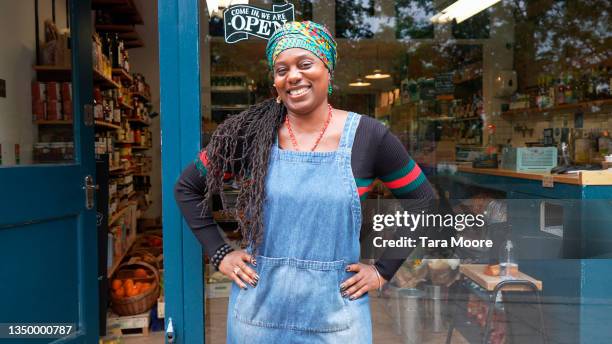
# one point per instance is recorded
(216, 5)
(462, 10)
(213, 6)
(378, 74)
(359, 83)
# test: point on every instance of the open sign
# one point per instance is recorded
(242, 21)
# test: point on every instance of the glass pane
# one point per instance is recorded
(467, 88)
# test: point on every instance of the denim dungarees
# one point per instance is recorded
(312, 219)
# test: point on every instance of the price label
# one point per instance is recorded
(547, 181)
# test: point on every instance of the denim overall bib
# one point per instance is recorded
(312, 219)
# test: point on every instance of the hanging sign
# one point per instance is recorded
(242, 21)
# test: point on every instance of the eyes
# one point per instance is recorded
(303, 65)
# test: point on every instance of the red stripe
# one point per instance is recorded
(405, 180)
(363, 189)
(204, 158)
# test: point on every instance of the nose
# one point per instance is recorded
(294, 75)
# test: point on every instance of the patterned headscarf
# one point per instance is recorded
(306, 35)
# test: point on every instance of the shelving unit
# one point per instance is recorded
(62, 74)
(564, 107)
(230, 94)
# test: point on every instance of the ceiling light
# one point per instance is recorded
(378, 74)
(215, 5)
(359, 83)
(462, 10)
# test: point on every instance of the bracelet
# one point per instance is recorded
(220, 254)
(379, 279)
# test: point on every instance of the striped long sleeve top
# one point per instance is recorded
(376, 153)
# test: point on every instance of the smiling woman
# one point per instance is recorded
(288, 195)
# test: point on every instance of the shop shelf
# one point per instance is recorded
(107, 125)
(125, 106)
(123, 74)
(123, 9)
(229, 107)
(99, 123)
(139, 121)
(141, 147)
(116, 168)
(229, 89)
(141, 96)
(59, 74)
(117, 215)
(565, 107)
(116, 263)
(125, 142)
(468, 119)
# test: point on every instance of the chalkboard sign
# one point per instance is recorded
(444, 83)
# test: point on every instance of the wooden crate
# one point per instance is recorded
(128, 326)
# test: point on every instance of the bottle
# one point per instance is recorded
(508, 265)
(569, 88)
(560, 91)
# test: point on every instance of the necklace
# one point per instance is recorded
(292, 136)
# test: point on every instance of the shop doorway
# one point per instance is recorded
(48, 234)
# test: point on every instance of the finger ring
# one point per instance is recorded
(236, 270)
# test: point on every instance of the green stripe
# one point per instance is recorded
(361, 182)
(399, 173)
(364, 196)
(200, 166)
(410, 187)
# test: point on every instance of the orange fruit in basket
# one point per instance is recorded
(144, 287)
(119, 293)
(117, 283)
(140, 273)
(132, 291)
(128, 283)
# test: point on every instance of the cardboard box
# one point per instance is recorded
(53, 91)
(54, 110)
(218, 290)
(66, 91)
(38, 91)
(38, 110)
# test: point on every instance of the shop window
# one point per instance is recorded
(303, 11)
(476, 27)
(353, 19)
(412, 19)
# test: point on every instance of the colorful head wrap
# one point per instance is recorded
(306, 35)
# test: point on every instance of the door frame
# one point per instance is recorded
(179, 57)
(54, 191)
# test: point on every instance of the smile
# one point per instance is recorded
(299, 91)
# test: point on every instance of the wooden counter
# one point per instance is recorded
(582, 178)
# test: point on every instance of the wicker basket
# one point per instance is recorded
(139, 303)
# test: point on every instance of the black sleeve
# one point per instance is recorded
(392, 162)
(189, 194)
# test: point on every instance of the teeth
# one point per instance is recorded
(298, 91)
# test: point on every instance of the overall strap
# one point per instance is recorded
(348, 134)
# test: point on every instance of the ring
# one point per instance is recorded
(236, 270)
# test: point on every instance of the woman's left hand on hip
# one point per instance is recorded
(364, 280)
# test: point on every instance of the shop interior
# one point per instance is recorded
(509, 109)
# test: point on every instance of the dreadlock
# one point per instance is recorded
(241, 145)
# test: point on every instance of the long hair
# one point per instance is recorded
(241, 145)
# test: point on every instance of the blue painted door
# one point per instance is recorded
(180, 129)
(48, 244)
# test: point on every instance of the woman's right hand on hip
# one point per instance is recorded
(234, 265)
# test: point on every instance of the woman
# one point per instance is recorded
(303, 167)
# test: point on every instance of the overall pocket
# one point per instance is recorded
(295, 294)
